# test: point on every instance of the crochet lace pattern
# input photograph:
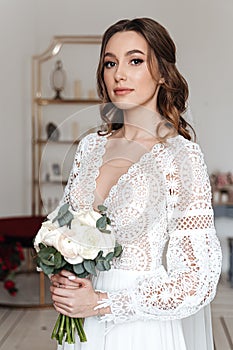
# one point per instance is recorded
(163, 199)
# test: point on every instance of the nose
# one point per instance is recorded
(120, 73)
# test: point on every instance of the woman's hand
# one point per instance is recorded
(75, 297)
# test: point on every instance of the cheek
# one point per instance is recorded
(146, 83)
(143, 77)
(107, 80)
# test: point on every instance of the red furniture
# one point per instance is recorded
(23, 229)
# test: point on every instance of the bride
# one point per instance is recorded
(153, 180)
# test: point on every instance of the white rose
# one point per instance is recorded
(87, 218)
(48, 234)
(90, 240)
(69, 249)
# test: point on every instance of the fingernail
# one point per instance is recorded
(71, 277)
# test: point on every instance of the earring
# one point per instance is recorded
(161, 81)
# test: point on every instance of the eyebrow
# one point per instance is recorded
(128, 53)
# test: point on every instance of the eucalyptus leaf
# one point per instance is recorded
(68, 267)
(41, 245)
(46, 269)
(105, 231)
(100, 265)
(65, 219)
(63, 263)
(101, 223)
(89, 266)
(78, 268)
(48, 249)
(46, 252)
(58, 260)
(47, 262)
(109, 256)
(83, 275)
(99, 256)
(63, 209)
(64, 216)
(102, 208)
(117, 250)
(107, 265)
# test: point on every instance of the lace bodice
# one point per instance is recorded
(164, 198)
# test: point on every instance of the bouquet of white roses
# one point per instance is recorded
(81, 242)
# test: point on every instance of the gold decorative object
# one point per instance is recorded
(58, 79)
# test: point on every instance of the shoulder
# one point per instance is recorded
(180, 145)
(185, 153)
(90, 142)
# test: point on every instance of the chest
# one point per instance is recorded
(134, 195)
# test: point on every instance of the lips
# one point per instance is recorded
(122, 91)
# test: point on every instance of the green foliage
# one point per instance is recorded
(102, 208)
(103, 221)
(89, 266)
(51, 262)
(117, 250)
(64, 216)
(79, 269)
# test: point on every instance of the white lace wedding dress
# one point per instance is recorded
(163, 202)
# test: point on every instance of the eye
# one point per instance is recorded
(109, 64)
(136, 61)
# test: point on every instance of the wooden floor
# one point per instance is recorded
(222, 316)
(30, 328)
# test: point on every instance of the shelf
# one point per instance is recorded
(64, 142)
(48, 101)
(46, 106)
(63, 182)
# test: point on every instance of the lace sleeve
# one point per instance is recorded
(74, 171)
(193, 255)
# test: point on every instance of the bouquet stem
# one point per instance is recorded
(65, 327)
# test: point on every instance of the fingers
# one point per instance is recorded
(63, 282)
(63, 309)
(67, 274)
(72, 277)
(59, 291)
(67, 279)
(83, 282)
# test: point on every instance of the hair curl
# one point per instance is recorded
(172, 94)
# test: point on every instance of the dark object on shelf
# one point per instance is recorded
(58, 78)
(52, 132)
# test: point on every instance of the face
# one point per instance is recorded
(126, 73)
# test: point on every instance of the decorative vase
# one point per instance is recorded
(58, 78)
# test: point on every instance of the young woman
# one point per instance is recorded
(153, 180)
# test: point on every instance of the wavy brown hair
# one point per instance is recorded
(173, 92)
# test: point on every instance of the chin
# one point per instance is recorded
(125, 105)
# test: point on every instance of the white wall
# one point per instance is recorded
(202, 30)
(17, 39)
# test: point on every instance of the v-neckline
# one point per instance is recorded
(126, 173)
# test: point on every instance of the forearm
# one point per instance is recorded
(188, 285)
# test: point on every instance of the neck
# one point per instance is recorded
(140, 124)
